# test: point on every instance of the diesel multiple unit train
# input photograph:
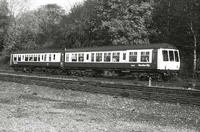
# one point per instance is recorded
(156, 60)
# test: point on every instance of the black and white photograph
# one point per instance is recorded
(99, 65)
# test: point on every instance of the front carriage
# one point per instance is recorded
(142, 60)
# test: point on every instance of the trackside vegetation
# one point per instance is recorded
(96, 23)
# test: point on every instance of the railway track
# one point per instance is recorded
(163, 94)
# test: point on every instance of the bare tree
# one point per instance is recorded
(18, 6)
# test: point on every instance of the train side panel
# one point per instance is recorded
(36, 60)
(116, 66)
(125, 58)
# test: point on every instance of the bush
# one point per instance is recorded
(4, 59)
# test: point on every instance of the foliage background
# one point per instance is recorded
(101, 23)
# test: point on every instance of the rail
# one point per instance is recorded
(171, 95)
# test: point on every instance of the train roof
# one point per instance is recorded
(123, 47)
(102, 48)
(39, 51)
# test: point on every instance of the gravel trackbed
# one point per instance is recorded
(32, 108)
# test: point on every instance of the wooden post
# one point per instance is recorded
(150, 81)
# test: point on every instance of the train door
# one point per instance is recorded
(123, 56)
(162, 59)
(87, 57)
(154, 59)
(62, 60)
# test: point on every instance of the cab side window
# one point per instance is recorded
(176, 56)
(165, 55)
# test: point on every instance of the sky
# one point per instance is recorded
(66, 4)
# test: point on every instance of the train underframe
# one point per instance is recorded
(157, 75)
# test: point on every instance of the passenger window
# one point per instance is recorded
(67, 58)
(116, 57)
(26, 57)
(31, 58)
(19, 57)
(92, 57)
(74, 57)
(165, 55)
(45, 57)
(87, 57)
(171, 55)
(98, 57)
(144, 57)
(22, 57)
(176, 56)
(15, 58)
(107, 57)
(124, 56)
(35, 57)
(81, 57)
(42, 57)
(54, 56)
(38, 57)
(132, 56)
(49, 57)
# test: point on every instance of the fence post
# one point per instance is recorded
(150, 81)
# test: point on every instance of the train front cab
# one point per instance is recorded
(168, 61)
